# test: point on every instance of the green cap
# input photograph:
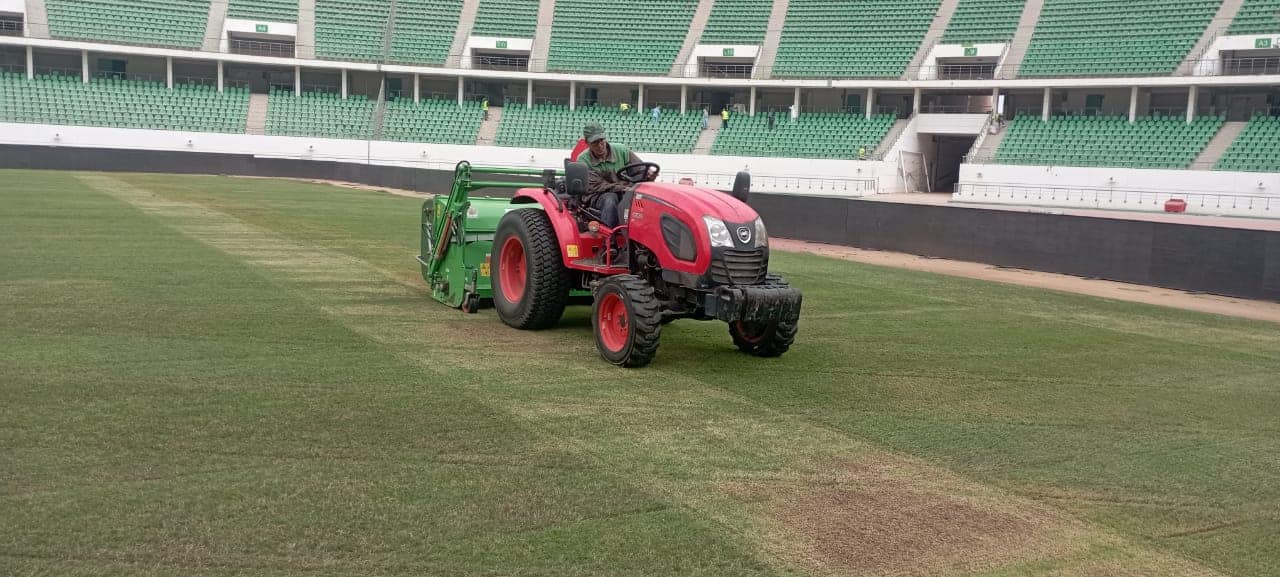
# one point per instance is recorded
(593, 132)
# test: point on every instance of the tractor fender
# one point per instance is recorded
(561, 220)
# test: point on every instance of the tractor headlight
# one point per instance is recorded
(762, 236)
(718, 231)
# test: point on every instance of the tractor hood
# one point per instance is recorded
(699, 202)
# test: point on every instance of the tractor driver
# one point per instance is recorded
(604, 188)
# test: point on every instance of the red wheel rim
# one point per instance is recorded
(613, 321)
(744, 333)
(513, 274)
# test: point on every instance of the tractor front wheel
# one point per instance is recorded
(627, 321)
(762, 339)
(530, 281)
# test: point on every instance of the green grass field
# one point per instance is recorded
(222, 376)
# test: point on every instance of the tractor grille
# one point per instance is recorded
(739, 267)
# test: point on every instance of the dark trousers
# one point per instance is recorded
(607, 204)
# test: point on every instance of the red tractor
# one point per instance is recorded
(681, 252)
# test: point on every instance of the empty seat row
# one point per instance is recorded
(1257, 149)
(555, 126)
(834, 38)
(166, 23)
(1150, 142)
(121, 103)
(812, 135)
(1103, 38)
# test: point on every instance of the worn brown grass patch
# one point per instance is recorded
(889, 531)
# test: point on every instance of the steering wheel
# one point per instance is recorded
(639, 172)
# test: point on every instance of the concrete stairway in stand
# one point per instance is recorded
(691, 40)
(488, 133)
(213, 27)
(1021, 39)
(772, 39)
(939, 25)
(890, 139)
(1213, 152)
(257, 120)
(37, 19)
(1217, 27)
(466, 22)
(707, 137)
(542, 36)
(305, 42)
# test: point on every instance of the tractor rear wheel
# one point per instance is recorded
(770, 339)
(530, 281)
(627, 320)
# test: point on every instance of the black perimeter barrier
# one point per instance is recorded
(1227, 261)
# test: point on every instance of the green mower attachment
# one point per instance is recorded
(457, 233)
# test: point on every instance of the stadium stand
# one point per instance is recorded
(632, 36)
(514, 18)
(555, 126)
(423, 30)
(1257, 149)
(984, 21)
(121, 103)
(1106, 38)
(350, 29)
(813, 135)
(323, 114)
(167, 23)
(873, 38)
(431, 121)
(737, 22)
(1257, 17)
(270, 10)
(1150, 142)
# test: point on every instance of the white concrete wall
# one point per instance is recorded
(275, 30)
(717, 51)
(281, 29)
(907, 147)
(515, 45)
(14, 6)
(1206, 192)
(929, 68)
(786, 175)
(1211, 65)
(959, 124)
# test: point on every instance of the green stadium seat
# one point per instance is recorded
(1151, 142)
(1257, 149)
(165, 23)
(737, 22)
(1103, 38)
(1257, 17)
(977, 21)
(66, 99)
(269, 10)
(813, 135)
(630, 37)
(507, 18)
(837, 39)
(555, 126)
(321, 114)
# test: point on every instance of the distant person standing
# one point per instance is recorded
(656, 113)
(771, 121)
(724, 118)
(484, 107)
(706, 119)
(624, 108)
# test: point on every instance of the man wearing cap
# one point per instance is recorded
(604, 188)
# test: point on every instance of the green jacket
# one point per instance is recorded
(604, 172)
